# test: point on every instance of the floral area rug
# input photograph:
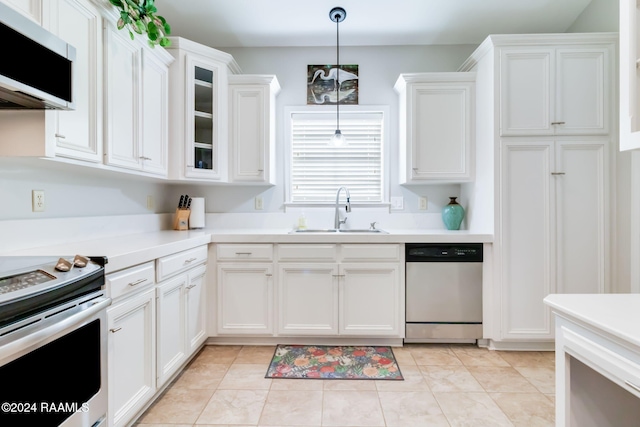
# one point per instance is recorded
(328, 362)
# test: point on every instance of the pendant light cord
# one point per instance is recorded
(338, 73)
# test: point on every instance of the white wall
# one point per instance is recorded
(599, 16)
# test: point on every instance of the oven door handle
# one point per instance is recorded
(23, 345)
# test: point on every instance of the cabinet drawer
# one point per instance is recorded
(241, 252)
(129, 280)
(181, 261)
(369, 253)
(314, 252)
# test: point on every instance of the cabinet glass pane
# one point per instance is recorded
(204, 75)
(203, 130)
(204, 158)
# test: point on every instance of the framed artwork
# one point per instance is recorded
(324, 82)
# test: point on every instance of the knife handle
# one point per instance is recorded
(189, 203)
(181, 202)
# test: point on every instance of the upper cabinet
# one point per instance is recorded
(555, 90)
(137, 102)
(436, 127)
(32, 9)
(629, 88)
(199, 116)
(252, 128)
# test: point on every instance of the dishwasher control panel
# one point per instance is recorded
(443, 252)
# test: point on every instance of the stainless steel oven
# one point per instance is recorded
(53, 338)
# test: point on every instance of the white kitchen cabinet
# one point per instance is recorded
(252, 128)
(245, 298)
(199, 111)
(77, 134)
(136, 95)
(554, 228)
(196, 327)
(556, 90)
(436, 127)
(171, 319)
(131, 358)
(308, 298)
(370, 299)
(629, 88)
(356, 291)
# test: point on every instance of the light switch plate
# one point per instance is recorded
(422, 203)
(397, 203)
(258, 203)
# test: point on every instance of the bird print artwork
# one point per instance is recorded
(325, 82)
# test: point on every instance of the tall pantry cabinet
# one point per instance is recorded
(545, 109)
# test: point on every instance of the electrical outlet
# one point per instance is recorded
(37, 200)
(422, 203)
(150, 202)
(258, 203)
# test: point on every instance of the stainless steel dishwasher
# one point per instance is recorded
(444, 292)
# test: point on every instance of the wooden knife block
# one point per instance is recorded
(181, 219)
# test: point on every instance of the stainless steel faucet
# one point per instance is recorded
(338, 222)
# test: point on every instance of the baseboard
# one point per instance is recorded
(521, 345)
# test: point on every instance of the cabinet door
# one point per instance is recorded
(526, 84)
(171, 326)
(441, 132)
(131, 356)
(122, 93)
(202, 137)
(249, 132)
(196, 312)
(581, 216)
(245, 298)
(308, 295)
(582, 91)
(629, 93)
(370, 299)
(155, 114)
(78, 133)
(528, 249)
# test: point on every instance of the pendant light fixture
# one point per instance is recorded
(337, 15)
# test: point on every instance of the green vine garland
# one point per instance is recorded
(139, 16)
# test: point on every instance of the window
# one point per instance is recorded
(317, 169)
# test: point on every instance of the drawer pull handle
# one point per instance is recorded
(632, 385)
(268, 274)
(338, 275)
(113, 331)
(557, 173)
(61, 136)
(190, 260)
(243, 253)
(191, 287)
(557, 123)
(137, 282)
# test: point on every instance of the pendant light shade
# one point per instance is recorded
(337, 15)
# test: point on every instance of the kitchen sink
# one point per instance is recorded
(333, 230)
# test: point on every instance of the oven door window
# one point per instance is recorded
(48, 385)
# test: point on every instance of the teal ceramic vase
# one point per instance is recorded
(453, 214)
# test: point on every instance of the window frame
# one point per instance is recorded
(289, 111)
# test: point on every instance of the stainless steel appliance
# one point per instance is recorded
(53, 343)
(444, 292)
(36, 70)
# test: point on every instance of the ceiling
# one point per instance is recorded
(260, 23)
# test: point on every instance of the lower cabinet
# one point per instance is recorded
(245, 298)
(317, 290)
(131, 356)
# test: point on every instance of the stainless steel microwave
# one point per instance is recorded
(36, 69)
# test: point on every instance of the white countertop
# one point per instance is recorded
(616, 314)
(133, 249)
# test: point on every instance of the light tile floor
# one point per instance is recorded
(445, 385)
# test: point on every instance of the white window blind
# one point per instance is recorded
(318, 168)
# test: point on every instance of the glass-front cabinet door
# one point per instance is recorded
(203, 119)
